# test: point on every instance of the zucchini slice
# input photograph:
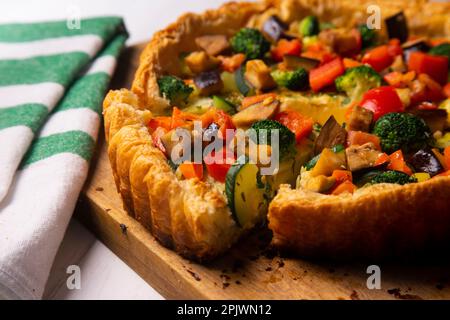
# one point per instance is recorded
(199, 106)
(241, 83)
(246, 197)
(224, 105)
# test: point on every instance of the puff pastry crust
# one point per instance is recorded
(192, 216)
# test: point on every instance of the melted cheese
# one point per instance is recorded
(319, 107)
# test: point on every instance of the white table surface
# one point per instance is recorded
(103, 274)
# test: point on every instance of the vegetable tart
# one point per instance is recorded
(355, 116)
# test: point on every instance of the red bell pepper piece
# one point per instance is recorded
(326, 74)
(156, 137)
(395, 47)
(378, 58)
(443, 174)
(343, 183)
(179, 118)
(231, 64)
(447, 90)
(191, 170)
(447, 158)
(383, 56)
(344, 187)
(218, 165)
(286, 47)
(359, 138)
(382, 159)
(342, 176)
(398, 79)
(350, 63)
(382, 100)
(425, 89)
(220, 118)
(398, 163)
(296, 122)
(434, 66)
(160, 122)
(425, 105)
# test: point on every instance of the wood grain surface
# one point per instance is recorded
(251, 270)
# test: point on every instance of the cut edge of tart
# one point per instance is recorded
(193, 216)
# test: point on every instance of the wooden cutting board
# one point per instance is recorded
(250, 270)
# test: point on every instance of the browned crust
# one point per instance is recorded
(192, 216)
(378, 221)
(161, 54)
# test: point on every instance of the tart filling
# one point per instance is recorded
(330, 110)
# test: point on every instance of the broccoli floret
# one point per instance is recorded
(356, 81)
(286, 136)
(309, 26)
(293, 80)
(368, 36)
(174, 89)
(441, 50)
(251, 42)
(401, 131)
(396, 177)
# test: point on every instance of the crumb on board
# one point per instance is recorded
(194, 275)
(354, 295)
(225, 279)
(396, 292)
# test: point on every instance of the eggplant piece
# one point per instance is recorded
(296, 62)
(435, 119)
(208, 82)
(241, 83)
(424, 160)
(331, 134)
(341, 41)
(361, 157)
(360, 119)
(397, 27)
(213, 44)
(274, 28)
(200, 61)
(256, 112)
(413, 46)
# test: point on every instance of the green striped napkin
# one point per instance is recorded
(52, 83)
